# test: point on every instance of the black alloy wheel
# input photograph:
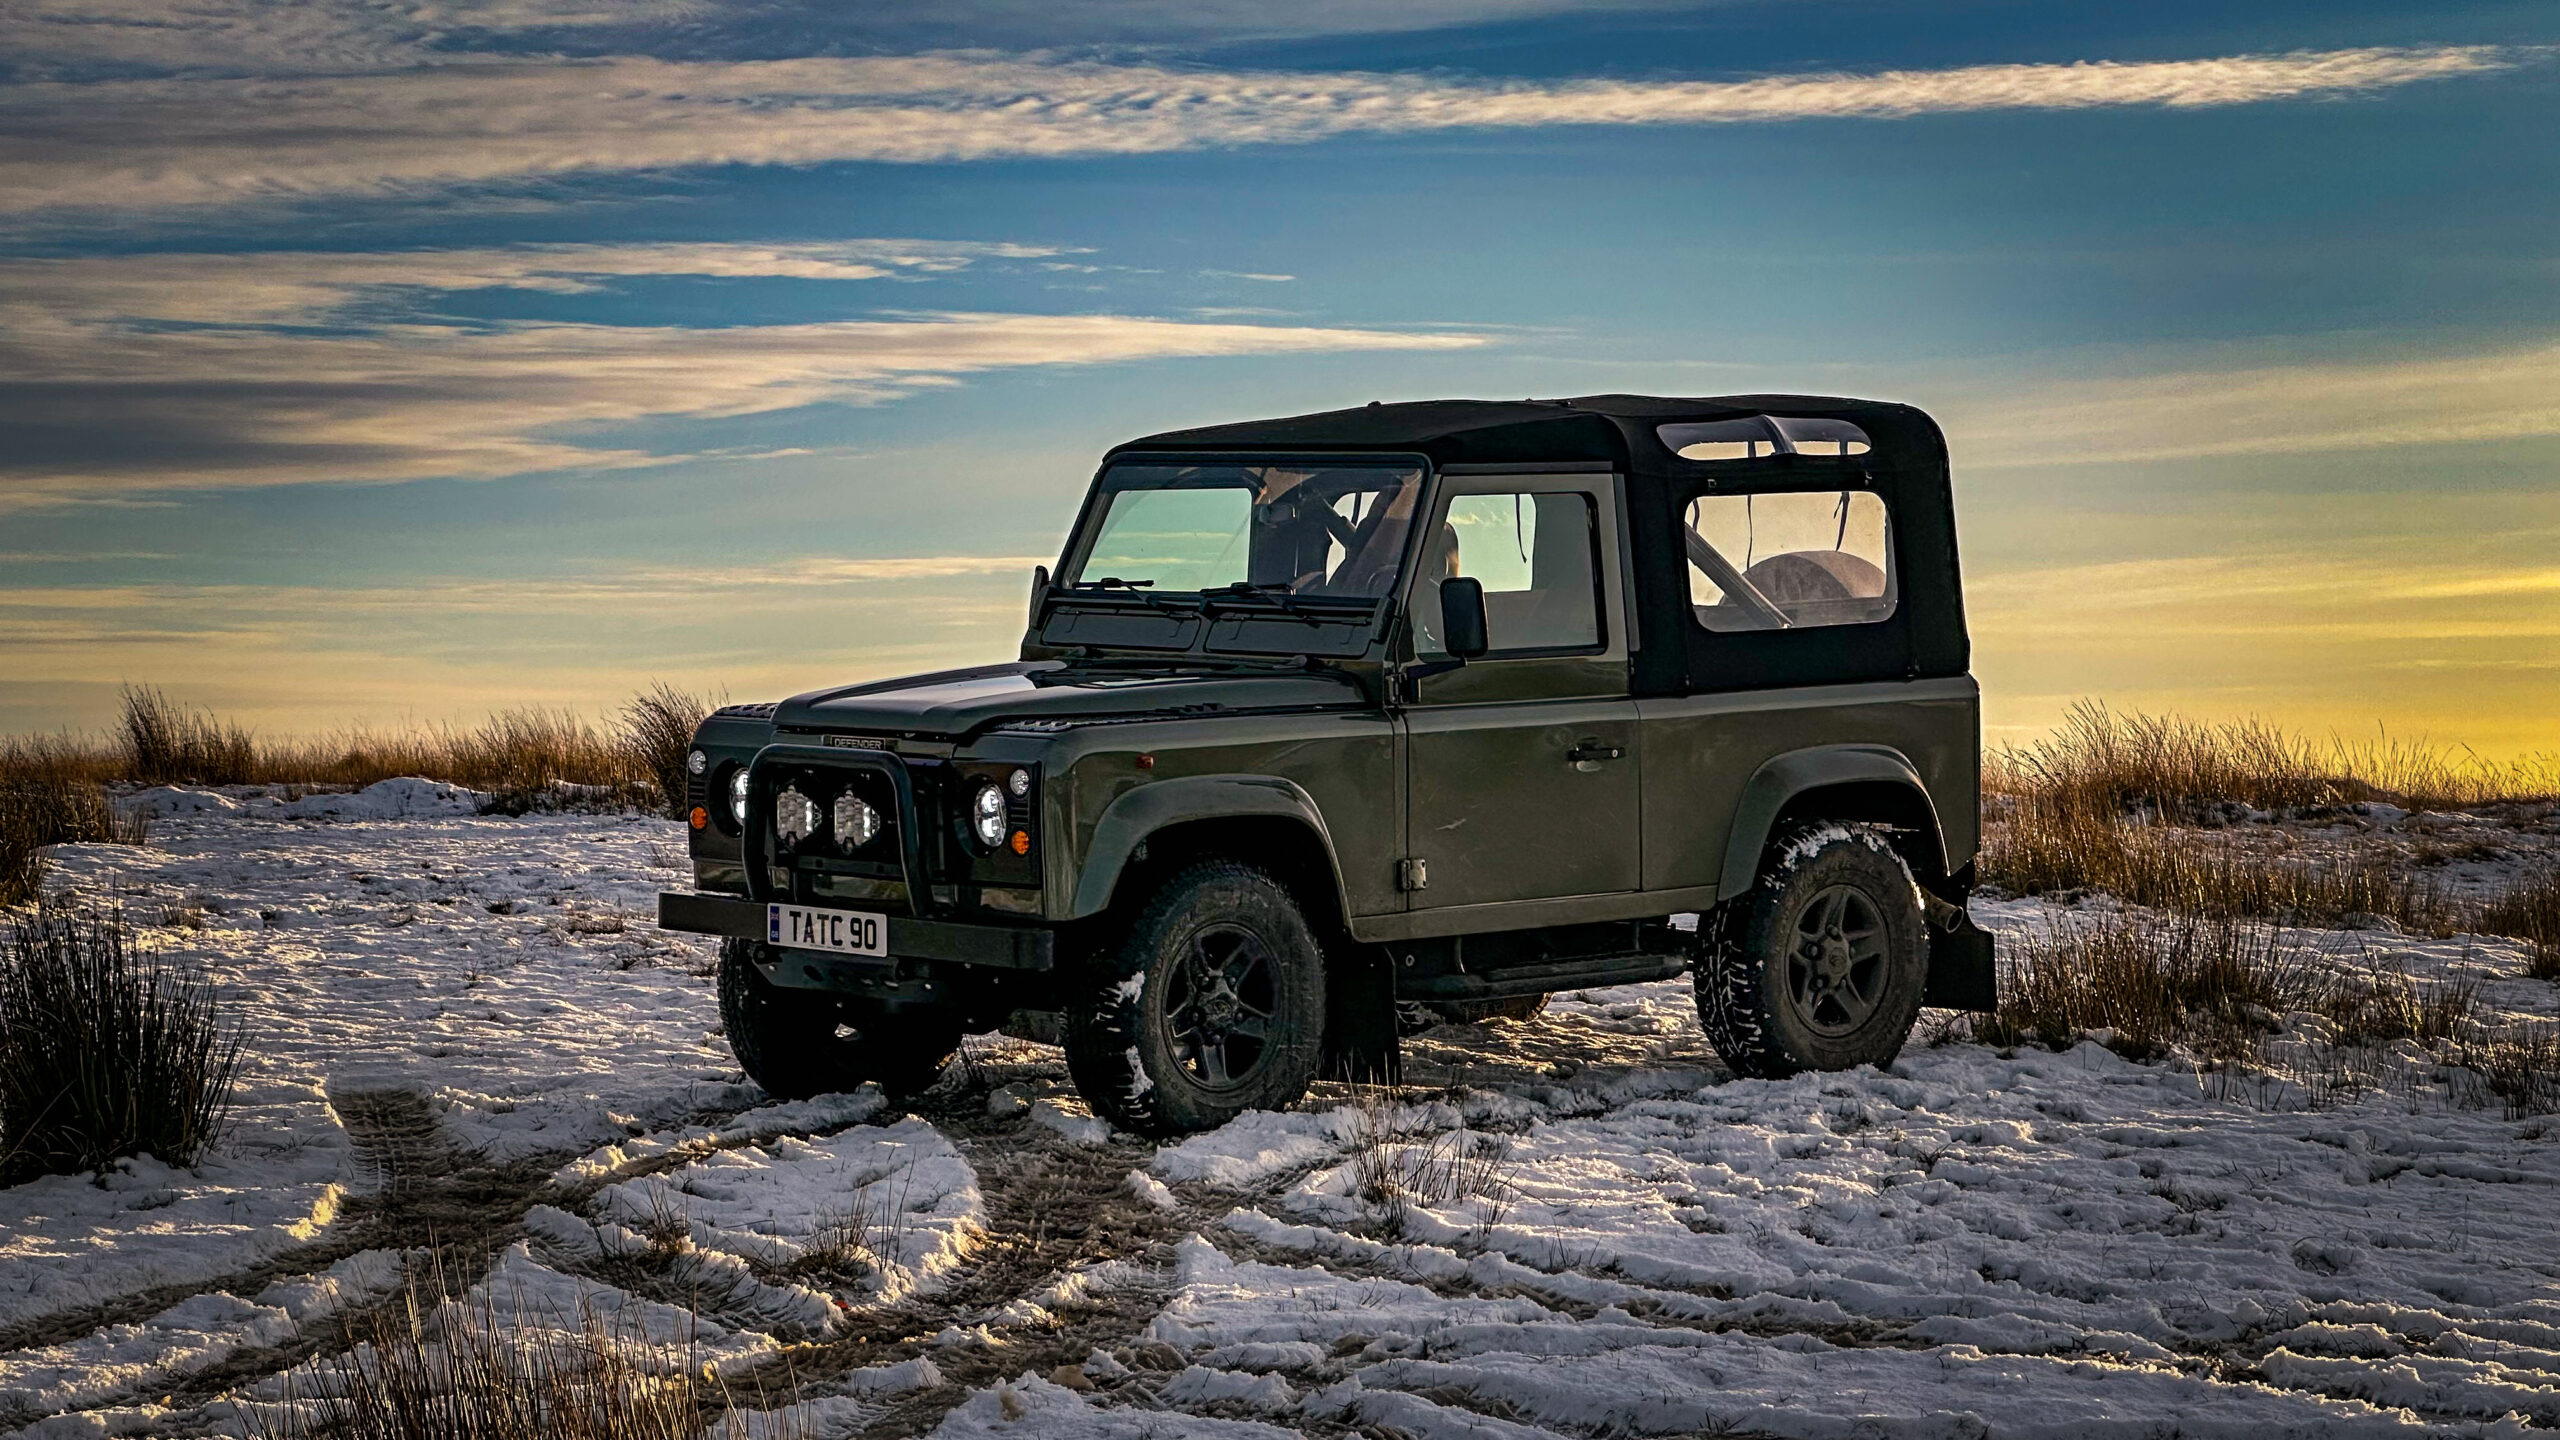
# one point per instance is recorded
(1819, 966)
(1838, 965)
(1211, 1004)
(1218, 1006)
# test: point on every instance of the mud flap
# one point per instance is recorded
(1360, 1032)
(1962, 975)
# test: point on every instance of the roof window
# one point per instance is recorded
(1757, 437)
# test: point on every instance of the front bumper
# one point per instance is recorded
(999, 947)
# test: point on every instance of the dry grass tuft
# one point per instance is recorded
(2518, 1066)
(2150, 982)
(2048, 843)
(1398, 1168)
(48, 797)
(2389, 1006)
(171, 744)
(436, 1372)
(2530, 912)
(658, 725)
(103, 1053)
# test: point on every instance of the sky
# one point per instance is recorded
(375, 362)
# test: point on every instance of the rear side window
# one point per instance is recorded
(1789, 561)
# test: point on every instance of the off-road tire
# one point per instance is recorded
(795, 1043)
(1122, 1043)
(1767, 995)
(1476, 1012)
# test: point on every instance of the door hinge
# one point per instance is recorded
(1413, 873)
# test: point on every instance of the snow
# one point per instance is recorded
(395, 799)
(1074, 1122)
(900, 1193)
(1972, 1242)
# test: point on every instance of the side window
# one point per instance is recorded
(1537, 556)
(1793, 561)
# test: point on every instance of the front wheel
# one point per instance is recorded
(799, 1043)
(1821, 965)
(1212, 1005)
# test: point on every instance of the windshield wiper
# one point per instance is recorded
(1275, 591)
(1136, 590)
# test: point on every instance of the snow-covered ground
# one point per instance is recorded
(467, 1023)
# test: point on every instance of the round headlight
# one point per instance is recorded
(1019, 782)
(856, 822)
(738, 794)
(696, 762)
(795, 816)
(986, 815)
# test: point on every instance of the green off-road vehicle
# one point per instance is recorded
(1331, 722)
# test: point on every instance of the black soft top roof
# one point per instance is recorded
(1906, 464)
(1615, 428)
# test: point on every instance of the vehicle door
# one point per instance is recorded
(1521, 765)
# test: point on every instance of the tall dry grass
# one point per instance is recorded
(2133, 805)
(441, 1371)
(2150, 981)
(2531, 913)
(2223, 989)
(104, 1053)
(160, 741)
(2046, 844)
(2183, 770)
(657, 729)
(54, 789)
(49, 796)
(166, 743)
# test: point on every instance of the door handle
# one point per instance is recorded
(1589, 754)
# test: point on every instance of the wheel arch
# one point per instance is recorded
(1260, 820)
(1857, 784)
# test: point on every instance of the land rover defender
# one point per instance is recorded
(1327, 721)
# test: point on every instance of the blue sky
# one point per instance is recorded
(366, 364)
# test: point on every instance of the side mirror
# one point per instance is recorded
(1039, 590)
(1462, 616)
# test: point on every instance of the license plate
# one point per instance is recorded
(847, 932)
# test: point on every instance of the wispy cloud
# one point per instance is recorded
(119, 145)
(304, 287)
(335, 36)
(2267, 409)
(104, 397)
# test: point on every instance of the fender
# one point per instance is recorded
(1784, 777)
(1150, 808)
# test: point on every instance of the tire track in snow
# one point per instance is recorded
(1053, 1207)
(426, 1196)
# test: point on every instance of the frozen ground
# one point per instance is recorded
(464, 1033)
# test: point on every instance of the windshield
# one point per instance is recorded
(1321, 531)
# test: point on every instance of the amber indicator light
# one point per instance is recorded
(1021, 842)
(1146, 762)
(700, 817)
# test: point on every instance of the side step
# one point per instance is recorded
(1516, 980)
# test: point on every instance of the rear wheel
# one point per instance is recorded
(1212, 1005)
(799, 1043)
(1821, 965)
